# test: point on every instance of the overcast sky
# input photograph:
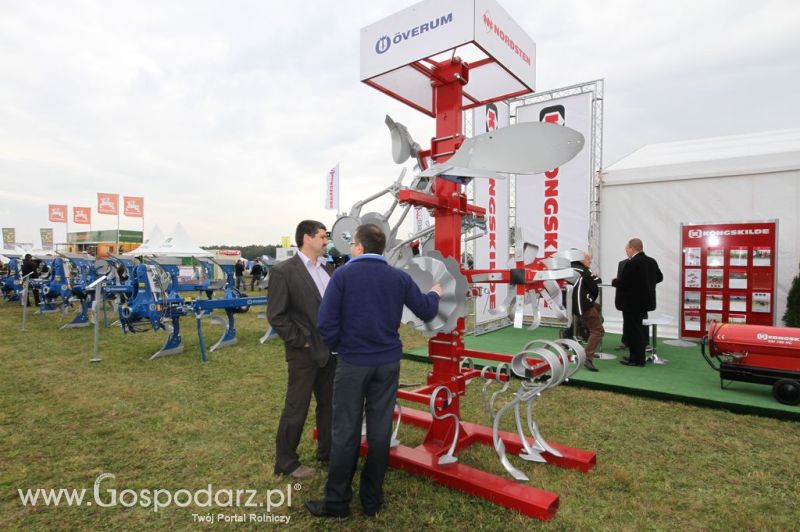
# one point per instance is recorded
(226, 115)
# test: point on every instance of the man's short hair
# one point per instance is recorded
(27, 256)
(371, 238)
(307, 227)
(635, 244)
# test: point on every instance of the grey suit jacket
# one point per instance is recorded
(292, 308)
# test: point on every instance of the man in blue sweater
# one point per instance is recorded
(359, 320)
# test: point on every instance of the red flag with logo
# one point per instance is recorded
(107, 203)
(57, 213)
(82, 215)
(133, 206)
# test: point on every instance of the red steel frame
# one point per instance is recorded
(447, 350)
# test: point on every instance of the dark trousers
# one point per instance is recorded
(305, 378)
(594, 322)
(635, 335)
(254, 280)
(357, 390)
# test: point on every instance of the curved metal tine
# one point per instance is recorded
(400, 221)
(557, 365)
(395, 441)
(504, 386)
(486, 383)
(449, 457)
(520, 367)
(500, 447)
(539, 442)
(467, 361)
(579, 354)
(415, 236)
(535, 391)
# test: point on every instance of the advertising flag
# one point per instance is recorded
(9, 237)
(82, 215)
(332, 189)
(57, 213)
(47, 237)
(285, 242)
(107, 203)
(133, 206)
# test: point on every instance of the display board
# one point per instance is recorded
(727, 274)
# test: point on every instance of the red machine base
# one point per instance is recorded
(506, 492)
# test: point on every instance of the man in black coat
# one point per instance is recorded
(295, 292)
(636, 289)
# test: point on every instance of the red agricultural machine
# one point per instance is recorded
(756, 353)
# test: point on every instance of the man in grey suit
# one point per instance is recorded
(296, 288)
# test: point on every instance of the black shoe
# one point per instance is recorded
(318, 509)
(628, 362)
(372, 512)
(588, 364)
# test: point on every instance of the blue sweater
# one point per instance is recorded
(360, 314)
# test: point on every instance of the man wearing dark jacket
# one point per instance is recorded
(359, 320)
(636, 287)
(584, 306)
(29, 266)
(295, 292)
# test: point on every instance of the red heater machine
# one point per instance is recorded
(756, 353)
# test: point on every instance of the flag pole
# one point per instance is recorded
(117, 223)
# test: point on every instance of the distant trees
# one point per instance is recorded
(250, 252)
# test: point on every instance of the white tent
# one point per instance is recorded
(179, 244)
(152, 242)
(652, 191)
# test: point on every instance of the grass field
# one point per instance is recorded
(175, 423)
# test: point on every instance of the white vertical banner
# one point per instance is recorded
(554, 207)
(492, 249)
(422, 219)
(332, 189)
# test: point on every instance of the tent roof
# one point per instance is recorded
(153, 241)
(179, 244)
(754, 153)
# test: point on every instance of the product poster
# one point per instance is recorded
(713, 316)
(737, 318)
(715, 257)
(737, 303)
(761, 302)
(762, 257)
(691, 257)
(692, 278)
(691, 320)
(691, 300)
(738, 257)
(713, 300)
(715, 278)
(738, 280)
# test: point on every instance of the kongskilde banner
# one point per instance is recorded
(491, 250)
(133, 206)
(332, 188)
(107, 203)
(82, 215)
(554, 206)
(57, 213)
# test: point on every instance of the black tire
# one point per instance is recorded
(786, 391)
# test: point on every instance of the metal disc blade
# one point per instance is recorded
(342, 232)
(526, 148)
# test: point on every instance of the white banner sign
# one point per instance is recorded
(491, 250)
(554, 207)
(332, 189)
